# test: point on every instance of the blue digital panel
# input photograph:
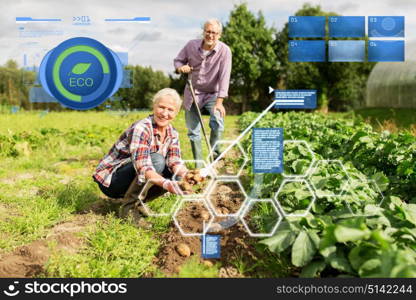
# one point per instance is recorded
(386, 51)
(211, 246)
(39, 95)
(136, 19)
(267, 150)
(306, 26)
(381, 26)
(346, 26)
(307, 51)
(298, 99)
(124, 58)
(346, 51)
(126, 82)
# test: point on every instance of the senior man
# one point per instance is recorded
(209, 60)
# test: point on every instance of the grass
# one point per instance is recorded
(193, 268)
(32, 121)
(38, 203)
(391, 119)
(114, 249)
(402, 117)
(51, 183)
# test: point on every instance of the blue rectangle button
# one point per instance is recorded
(384, 26)
(295, 99)
(307, 51)
(388, 51)
(308, 26)
(346, 26)
(346, 51)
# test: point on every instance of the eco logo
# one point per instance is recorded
(11, 290)
(81, 73)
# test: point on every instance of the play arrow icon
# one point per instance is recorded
(271, 90)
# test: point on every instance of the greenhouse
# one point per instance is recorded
(393, 84)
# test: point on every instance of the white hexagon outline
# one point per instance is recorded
(150, 212)
(207, 225)
(310, 165)
(378, 204)
(295, 180)
(249, 206)
(211, 166)
(208, 185)
(343, 188)
(225, 179)
(378, 190)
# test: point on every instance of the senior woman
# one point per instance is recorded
(148, 150)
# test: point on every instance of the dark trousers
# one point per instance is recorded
(124, 176)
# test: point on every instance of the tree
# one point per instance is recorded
(254, 62)
(145, 83)
(340, 85)
(14, 85)
(11, 64)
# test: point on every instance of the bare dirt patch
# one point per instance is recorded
(29, 260)
(227, 198)
(21, 176)
(235, 241)
(192, 217)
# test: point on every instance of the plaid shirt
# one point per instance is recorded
(136, 144)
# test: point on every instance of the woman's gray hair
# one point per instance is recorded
(213, 22)
(168, 92)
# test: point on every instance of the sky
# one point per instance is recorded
(173, 23)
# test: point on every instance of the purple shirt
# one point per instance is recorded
(211, 73)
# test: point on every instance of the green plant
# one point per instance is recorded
(357, 225)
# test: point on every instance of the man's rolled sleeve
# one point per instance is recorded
(182, 58)
(224, 75)
(140, 151)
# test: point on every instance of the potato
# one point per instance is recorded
(225, 211)
(183, 250)
(191, 182)
(189, 176)
(208, 263)
(198, 178)
(185, 186)
(195, 214)
(205, 215)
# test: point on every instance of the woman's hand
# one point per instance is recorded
(180, 171)
(172, 187)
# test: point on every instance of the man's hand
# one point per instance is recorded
(218, 106)
(184, 69)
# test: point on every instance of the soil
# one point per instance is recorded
(227, 165)
(227, 198)
(13, 180)
(225, 168)
(192, 215)
(29, 260)
(236, 244)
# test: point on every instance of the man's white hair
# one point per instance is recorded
(213, 22)
(173, 94)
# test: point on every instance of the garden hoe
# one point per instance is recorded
(191, 88)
